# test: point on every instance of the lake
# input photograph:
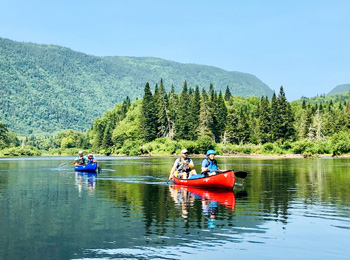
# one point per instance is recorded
(285, 208)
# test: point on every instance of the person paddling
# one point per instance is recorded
(182, 167)
(80, 159)
(91, 158)
(209, 165)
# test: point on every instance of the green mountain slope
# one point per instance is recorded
(48, 88)
(340, 89)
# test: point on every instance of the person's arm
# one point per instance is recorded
(204, 166)
(191, 164)
(174, 168)
(172, 172)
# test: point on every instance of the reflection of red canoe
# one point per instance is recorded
(225, 180)
(223, 197)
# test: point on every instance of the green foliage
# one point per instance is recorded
(340, 143)
(162, 146)
(204, 143)
(18, 151)
(46, 89)
(149, 116)
(7, 139)
(272, 148)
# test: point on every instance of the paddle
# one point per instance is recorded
(63, 164)
(239, 174)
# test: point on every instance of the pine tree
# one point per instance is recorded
(163, 120)
(231, 126)
(194, 114)
(227, 94)
(205, 118)
(274, 119)
(173, 106)
(182, 119)
(282, 118)
(221, 117)
(264, 120)
(148, 119)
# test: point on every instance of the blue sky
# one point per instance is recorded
(303, 45)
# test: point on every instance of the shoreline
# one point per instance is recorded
(238, 155)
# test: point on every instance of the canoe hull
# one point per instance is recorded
(225, 180)
(92, 167)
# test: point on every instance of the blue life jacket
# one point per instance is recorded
(211, 164)
(90, 160)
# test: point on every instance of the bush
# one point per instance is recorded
(311, 148)
(18, 151)
(204, 143)
(340, 143)
(130, 148)
(163, 146)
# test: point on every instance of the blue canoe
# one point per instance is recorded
(91, 167)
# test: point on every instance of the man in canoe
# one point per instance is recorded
(209, 165)
(80, 159)
(182, 167)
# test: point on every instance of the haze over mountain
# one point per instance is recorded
(340, 89)
(47, 88)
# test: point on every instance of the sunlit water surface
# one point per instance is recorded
(284, 209)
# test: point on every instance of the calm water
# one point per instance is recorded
(285, 208)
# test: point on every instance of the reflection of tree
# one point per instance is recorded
(274, 184)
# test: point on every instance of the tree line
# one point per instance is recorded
(164, 122)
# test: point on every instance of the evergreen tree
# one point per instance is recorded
(243, 129)
(274, 119)
(227, 94)
(163, 123)
(148, 119)
(194, 114)
(231, 126)
(205, 117)
(173, 106)
(221, 117)
(282, 118)
(264, 120)
(182, 125)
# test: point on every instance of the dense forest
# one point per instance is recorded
(46, 89)
(165, 122)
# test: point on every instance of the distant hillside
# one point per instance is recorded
(343, 98)
(46, 88)
(340, 89)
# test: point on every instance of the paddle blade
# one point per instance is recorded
(241, 174)
(63, 164)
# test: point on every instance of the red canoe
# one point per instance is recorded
(224, 180)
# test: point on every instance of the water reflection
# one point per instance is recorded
(86, 180)
(184, 198)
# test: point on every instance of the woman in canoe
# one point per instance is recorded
(91, 158)
(209, 165)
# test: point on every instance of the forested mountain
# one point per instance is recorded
(46, 88)
(340, 89)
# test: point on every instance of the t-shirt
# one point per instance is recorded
(180, 166)
(80, 160)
